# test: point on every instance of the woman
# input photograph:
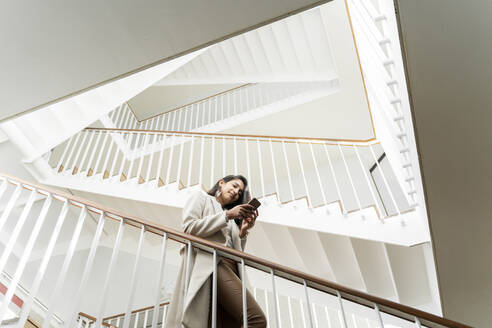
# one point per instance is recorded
(222, 216)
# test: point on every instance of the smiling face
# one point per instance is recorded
(231, 191)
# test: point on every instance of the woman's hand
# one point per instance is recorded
(240, 212)
(248, 223)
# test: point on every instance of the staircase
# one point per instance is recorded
(327, 182)
(86, 251)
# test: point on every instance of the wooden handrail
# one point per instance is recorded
(105, 324)
(254, 136)
(183, 106)
(323, 285)
(134, 311)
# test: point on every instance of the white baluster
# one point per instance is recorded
(180, 161)
(243, 293)
(88, 166)
(318, 176)
(223, 157)
(55, 292)
(308, 304)
(145, 318)
(159, 165)
(246, 141)
(14, 234)
(73, 147)
(417, 323)
(288, 171)
(133, 154)
(168, 174)
(186, 110)
(302, 314)
(188, 267)
(99, 157)
(10, 205)
(191, 160)
(65, 151)
(235, 156)
(197, 115)
(25, 256)
(86, 272)
(179, 120)
(315, 315)
(200, 181)
(344, 211)
(349, 176)
(291, 317)
(328, 318)
(135, 271)
(86, 151)
(260, 164)
(378, 314)
(369, 185)
(310, 204)
(162, 265)
(151, 157)
(112, 263)
(385, 181)
(342, 311)
(44, 263)
(277, 189)
(275, 300)
(212, 163)
(214, 290)
(136, 321)
(76, 159)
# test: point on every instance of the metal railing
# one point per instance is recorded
(73, 213)
(215, 109)
(305, 172)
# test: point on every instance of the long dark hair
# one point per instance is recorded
(241, 200)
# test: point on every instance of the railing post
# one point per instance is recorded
(191, 160)
(246, 141)
(214, 290)
(86, 272)
(369, 185)
(303, 175)
(212, 162)
(385, 181)
(277, 190)
(288, 171)
(25, 255)
(342, 311)
(133, 279)
(318, 175)
(224, 156)
(308, 304)
(170, 161)
(332, 170)
(349, 176)
(260, 164)
(378, 313)
(112, 263)
(88, 166)
(243, 293)
(99, 157)
(66, 263)
(275, 299)
(188, 267)
(162, 266)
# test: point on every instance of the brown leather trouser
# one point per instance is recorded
(230, 301)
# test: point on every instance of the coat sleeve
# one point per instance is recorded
(195, 223)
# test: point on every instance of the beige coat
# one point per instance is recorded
(204, 217)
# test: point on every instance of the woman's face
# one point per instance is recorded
(231, 191)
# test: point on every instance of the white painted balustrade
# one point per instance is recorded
(321, 175)
(377, 38)
(259, 98)
(90, 259)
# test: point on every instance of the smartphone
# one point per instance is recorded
(255, 203)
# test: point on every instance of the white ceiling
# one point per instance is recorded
(51, 49)
(448, 50)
